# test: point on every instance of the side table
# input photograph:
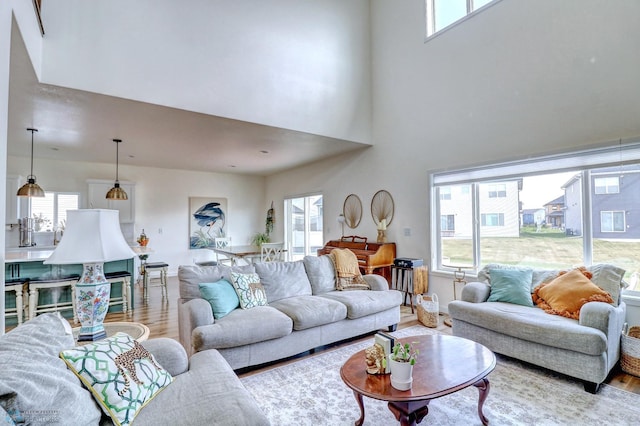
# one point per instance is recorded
(406, 280)
(138, 331)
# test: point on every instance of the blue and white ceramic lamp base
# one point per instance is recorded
(92, 302)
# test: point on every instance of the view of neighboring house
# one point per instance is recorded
(499, 212)
(615, 207)
(533, 217)
(554, 212)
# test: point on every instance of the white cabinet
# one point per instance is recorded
(98, 191)
(16, 207)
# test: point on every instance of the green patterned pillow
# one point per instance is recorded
(120, 373)
(250, 291)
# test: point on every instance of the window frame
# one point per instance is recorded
(606, 185)
(306, 222)
(429, 14)
(586, 163)
(56, 220)
(613, 215)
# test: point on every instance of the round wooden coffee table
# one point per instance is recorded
(446, 364)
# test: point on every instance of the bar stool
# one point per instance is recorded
(19, 287)
(123, 277)
(36, 285)
(160, 267)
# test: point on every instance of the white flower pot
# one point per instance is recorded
(401, 374)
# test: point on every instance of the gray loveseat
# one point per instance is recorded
(37, 388)
(586, 349)
(304, 311)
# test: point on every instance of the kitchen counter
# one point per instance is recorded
(11, 256)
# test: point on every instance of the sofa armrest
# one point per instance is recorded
(603, 316)
(191, 314)
(376, 282)
(475, 292)
(610, 320)
(169, 353)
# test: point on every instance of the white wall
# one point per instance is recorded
(517, 79)
(162, 200)
(26, 20)
(301, 65)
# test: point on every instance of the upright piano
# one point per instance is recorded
(373, 258)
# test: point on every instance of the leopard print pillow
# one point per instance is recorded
(121, 374)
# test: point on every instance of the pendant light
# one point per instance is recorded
(31, 188)
(117, 193)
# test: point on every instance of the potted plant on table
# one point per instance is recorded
(402, 359)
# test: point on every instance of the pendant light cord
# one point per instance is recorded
(32, 130)
(117, 157)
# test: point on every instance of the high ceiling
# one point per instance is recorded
(76, 125)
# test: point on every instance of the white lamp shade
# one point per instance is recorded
(91, 236)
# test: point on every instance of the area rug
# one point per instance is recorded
(311, 392)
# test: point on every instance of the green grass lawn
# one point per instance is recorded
(547, 249)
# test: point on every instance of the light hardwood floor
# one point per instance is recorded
(161, 316)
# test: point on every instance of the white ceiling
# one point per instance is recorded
(76, 125)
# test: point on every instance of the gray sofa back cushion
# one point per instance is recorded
(192, 275)
(607, 277)
(283, 279)
(321, 273)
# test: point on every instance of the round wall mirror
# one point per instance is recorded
(382, 207)
(352, 211)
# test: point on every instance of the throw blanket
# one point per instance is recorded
(348, 275)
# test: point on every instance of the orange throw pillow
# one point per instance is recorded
(566, 294)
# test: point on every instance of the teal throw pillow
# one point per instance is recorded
(221, 296)
(511, 286)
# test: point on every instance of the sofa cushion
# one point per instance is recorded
(311, 311)
(34, 381)
(120, 373)
(222, 297)
(283, 279)
(209, 393)
(190, 276)
(242, 327)
(511, 286)
(361, 303)
(321, 273)
(249, 290)
(566, 294)
(530, 324)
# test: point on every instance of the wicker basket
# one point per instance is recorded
(428, 310)
(630, 360)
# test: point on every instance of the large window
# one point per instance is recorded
(442, 13)
(579, 208)
(303, 227)
(50, 212)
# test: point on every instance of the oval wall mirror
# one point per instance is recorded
(382, 207)
(352, 211)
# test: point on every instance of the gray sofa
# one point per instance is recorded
(586, 349)
(37, 388)
(304, 311)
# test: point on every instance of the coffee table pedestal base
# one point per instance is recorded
(412, 412)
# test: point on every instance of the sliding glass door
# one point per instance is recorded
(303, 227)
